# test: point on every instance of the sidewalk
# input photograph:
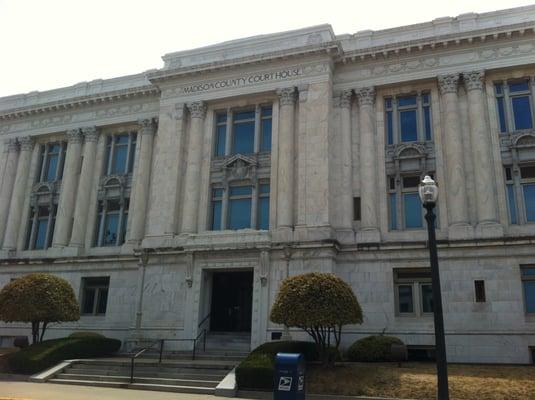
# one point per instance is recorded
(49, 391)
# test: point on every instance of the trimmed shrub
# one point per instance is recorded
(86, 335)
(372, 349)
(256, 371)
(41, 356)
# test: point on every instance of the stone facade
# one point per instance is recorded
(335, 164)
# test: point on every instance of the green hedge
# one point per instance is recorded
(256, 371)
(372, 348)
(86, 335)
(41, 356)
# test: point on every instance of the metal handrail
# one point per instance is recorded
(203, 334)
(204, 320)
(140, 352)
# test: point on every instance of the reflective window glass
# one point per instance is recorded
(110, 229)
(240, 213)
(409, 131)
(529, 296)
(265, 144)
(244, 137)
(40, 234)
(405, 299)
(221, 134)
(119, 160)
(389, 128)
(529, 201)
(501, 115)
(89, 301)
(522, 112)
(263, 213)
(216, 215)
(512, 204)
(427, 298)
(519, 86)
(413, 210)
(102, 301)
(51, 168)
(407, 101)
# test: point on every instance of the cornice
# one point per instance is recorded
(436, 42)
(79, 102)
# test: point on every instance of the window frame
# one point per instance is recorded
(526, 278)
(85, 285)
(102, 216)
(416, 282)
(514, 190)
(507, 97)
(392, 115)
(34, 219)
(44, 154)
(399, 190)
(110, 153)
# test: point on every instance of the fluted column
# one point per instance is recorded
(453, 149)
(10, 172)
(19, 190)
(368, 166)
(141, 188)
(84, 187)
(193, 167)
(62, 230)
(484, 181)
(346, 159)
(285, 173)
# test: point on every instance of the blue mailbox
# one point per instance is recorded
(289, 379)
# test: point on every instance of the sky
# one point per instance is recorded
(46, 44)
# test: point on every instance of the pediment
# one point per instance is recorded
(410, 151)
(239, 167)
(235, 160)
(527, 140)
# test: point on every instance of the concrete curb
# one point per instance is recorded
(250, 394)
(49, 373)
(227, 387)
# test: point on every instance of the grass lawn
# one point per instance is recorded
(418, 381)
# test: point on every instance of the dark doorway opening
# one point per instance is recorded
(232, 298)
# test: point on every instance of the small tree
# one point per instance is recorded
(318, 303)
(40, 299)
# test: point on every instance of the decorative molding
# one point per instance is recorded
(264, 267)
(474, 80)
(90, 133)
(239, 167)
(197, 109)
(303, 93)
(286, 96)
(178, 112)
(119, 110)
(26, 143)
(448, 83)
(345, 98)
(11, 145)
(366, 96)
(190, 266)
(74, 136)
(147, 126)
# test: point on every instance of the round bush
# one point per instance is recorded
(372, 349)
(86, 335)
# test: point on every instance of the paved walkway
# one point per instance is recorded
(49, 391)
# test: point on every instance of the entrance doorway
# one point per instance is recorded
(232, 298)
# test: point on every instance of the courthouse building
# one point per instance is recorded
(177, 199)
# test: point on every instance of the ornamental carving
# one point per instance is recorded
(197, 109)
(178, 112)
(147, 126)
(239, 167)
(345, 98)
(12, 145)
(524, 140)
(474, 80)
(74, 136)
(264, 267)
(366, 96)
(26, 143)
(90, 133)
(190, 266)
(286, 96)
(448, 83)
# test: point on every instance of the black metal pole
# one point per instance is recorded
(440, 339)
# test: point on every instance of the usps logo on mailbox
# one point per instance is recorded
(301, 383)
(285, 383)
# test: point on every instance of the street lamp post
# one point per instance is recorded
(428, 191)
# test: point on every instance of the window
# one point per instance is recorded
(356, 208)
(111, 222)
(120, 151)
(51, 162)
(514, 103)
(413, 291)
(244, 131)
(479, 287)
(41, 227)
(528, 282)
(95, 295)
(408, 118)
(520, 189)
(405, 206)
(240, 207)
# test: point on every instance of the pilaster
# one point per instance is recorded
(10, 170)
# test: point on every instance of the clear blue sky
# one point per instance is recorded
(53, 43)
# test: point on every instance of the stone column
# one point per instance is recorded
(453, 151)
(62, 230)
(193, 167)
(141, 184)
(10, 171)
(487, 213)
(285, 173)
(369, 231)
(84, 187)
(17, 196)
(346, 160)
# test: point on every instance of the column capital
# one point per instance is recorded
(286, 96)
(74, 136)
(366, 95)
(474, 80)
(178, 112)
(26, 143)
(147, 126)
(345, 98)
(11, 145)
(303, 92)
(90, 133)
(197, 109)
(448, 83)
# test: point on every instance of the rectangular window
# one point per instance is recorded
(413, 210)
(414, 293)
(111, 222)
(406, 211)
(217, 201)
(240, 207)
(265, 129)
(479, 287)
(220, 134)
(243, 132)
(408, 118)
(120, 154)
(41, 227)
(521, 194)
(528, 282)
(356, 208)
(263, 207)
(514, 103)
(51, 161)
(95, 295)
